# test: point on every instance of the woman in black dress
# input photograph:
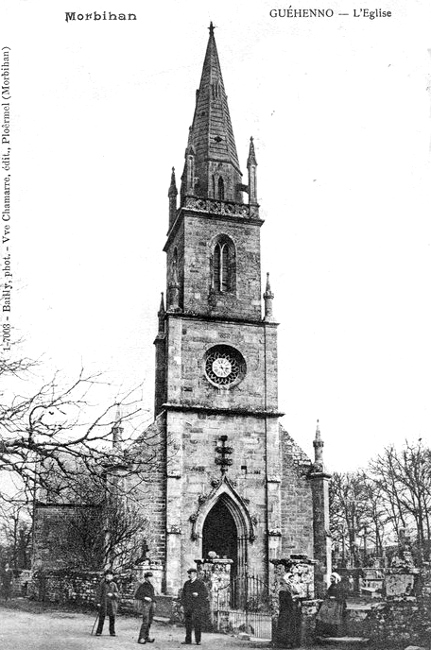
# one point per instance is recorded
(330, 617)
(288, 628)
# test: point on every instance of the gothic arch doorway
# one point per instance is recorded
(220, 534)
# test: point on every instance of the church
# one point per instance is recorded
(236, 484)
(232, 482)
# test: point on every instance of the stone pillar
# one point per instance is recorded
(322, 539)
(174, 507)
(273, 491)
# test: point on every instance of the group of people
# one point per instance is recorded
(329, 619)
(194, 599)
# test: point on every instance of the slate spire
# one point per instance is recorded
(211, 169)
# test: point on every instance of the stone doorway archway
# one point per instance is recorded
(225, 518)
(220, 534)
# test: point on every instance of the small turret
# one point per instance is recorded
(161, 315)
(117, 429)
(318, 445)
(251, 166)
(172, 195)
(268, 297)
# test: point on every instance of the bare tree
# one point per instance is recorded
(355, 513)
(43, 433)
(100, 528)
(16, 532)
(403, 478)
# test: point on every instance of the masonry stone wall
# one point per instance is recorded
(56, 530)
(391, 622)
(189, 339)
(79, 588)
(200, 435)
(149, 488)
(199, 237)
(193, 473)
(296, 500)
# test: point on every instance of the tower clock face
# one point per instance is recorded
(221, 367)
(224, 366)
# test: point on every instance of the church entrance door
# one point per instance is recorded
(220, 534)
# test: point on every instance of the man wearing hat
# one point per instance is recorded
(107, 602)
(194, 598)
(145, 593)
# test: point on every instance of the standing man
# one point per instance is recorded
(107, 602)
(7, 581)
(145, 593)
(194, 598)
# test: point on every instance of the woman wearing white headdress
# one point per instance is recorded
(287, 633)
(330, 617)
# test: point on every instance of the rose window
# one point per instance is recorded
(224, 365)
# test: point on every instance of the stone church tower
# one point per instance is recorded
(236, 483)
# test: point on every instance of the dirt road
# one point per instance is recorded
(71, 631)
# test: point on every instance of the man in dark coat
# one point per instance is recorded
(145, 593)
(7, 581)
(194, 598)
(107, 602)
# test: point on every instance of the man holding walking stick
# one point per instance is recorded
(107, 603)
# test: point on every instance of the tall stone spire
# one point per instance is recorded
(211, 167)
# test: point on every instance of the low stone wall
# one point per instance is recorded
(65, 586)
(391, 621)
(309, 609)
(79, 588)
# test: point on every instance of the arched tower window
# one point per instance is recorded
(220, 187)
(224, 265)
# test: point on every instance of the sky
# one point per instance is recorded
(339, 108)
